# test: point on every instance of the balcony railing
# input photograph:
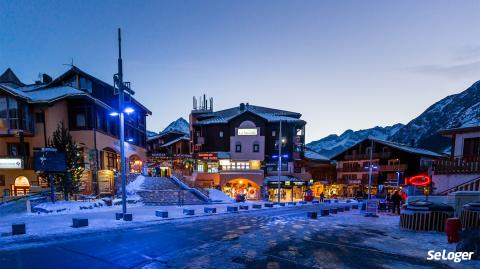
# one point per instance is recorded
(457, 166)
(381, 155)
(352, 169)
(393, 168)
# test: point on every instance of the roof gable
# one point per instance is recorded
(9, 77)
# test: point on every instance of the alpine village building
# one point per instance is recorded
(393, 165)
(169, 150)
(461, 171)
(237, 150)
(29, 114)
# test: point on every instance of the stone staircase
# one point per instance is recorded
(166, 191)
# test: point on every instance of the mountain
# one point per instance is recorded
(334, 144)
(454, 111)
(180, 125)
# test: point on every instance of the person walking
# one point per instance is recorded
(396, 200)
(322, 196)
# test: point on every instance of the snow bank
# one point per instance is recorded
(135, 185)
(219, 196)
(67, 206)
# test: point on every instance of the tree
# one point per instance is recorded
(63, 142)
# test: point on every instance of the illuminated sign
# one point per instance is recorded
(11, 163)
(419, 180)
(207, 156)
(247, 131)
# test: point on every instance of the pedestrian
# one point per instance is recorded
(157, 171)
(322, 196)
(396, 200)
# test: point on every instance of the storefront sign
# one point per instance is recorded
(105, 181)
(299, 183)
(11, 163)
(420, 180)
(247, 131)
(207, 156)
(50, 161)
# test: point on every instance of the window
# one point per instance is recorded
(274, 133)
(220, 134)
(86, 85)
(80, 120)
(72, 82)
(238, 148)
(13, 113)
(14, 149)
(256, 147)
(471, 147)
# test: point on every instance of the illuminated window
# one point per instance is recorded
(256, 147)
(220, 134)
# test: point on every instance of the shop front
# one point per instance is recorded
(291, 189)
(249, 189)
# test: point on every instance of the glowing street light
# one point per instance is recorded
(129, 110)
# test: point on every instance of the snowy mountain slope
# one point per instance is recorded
(333, 144)
(454, 111)
(179, 125)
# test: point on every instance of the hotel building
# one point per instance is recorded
(29, 114)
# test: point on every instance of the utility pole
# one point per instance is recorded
(279, 160)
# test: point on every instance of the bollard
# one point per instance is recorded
(355, 206)
(189, 212)
(127, 217)
(292, 203)
(118, 216)
(340, 209)
(79, 222)
(232, 209)
(268, 205)
(162, 214)
(244, 207)
(303, 202)
(315, 202)
(209, 210)
(324, 212)
(281, 204)
(312, 215)
(256, 206)
(333, 210)
(347, 208)
(18, 228)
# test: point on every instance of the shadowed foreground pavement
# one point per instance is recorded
(280, 238)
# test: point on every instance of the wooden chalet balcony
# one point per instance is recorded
(393, 168)
(352, 169)
(379, 155)
(457, 166)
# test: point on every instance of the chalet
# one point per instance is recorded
(461, 171)
(392, 164)
(29, 114)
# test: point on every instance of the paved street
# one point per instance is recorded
(279, 238)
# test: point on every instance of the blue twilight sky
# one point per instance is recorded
(342, 64)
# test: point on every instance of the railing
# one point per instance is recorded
(367, 156)
(457, 166)
(195, 191)
(352, 169)
(401, 167)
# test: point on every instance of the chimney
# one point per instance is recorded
(242, 107)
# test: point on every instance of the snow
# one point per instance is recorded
(219, 196)
(135, 185)
(67, 206)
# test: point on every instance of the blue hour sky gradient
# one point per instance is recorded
(342, 64)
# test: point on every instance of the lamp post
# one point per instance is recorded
(279, 170)
(370, 170)
(118, 81)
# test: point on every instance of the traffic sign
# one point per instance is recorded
(50, 162)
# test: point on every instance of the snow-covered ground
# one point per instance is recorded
(219, 196)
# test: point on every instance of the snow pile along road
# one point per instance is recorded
(219, 196)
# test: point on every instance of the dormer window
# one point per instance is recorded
(86, 85)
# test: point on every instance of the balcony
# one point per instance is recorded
(393, 168)
(352, 169)
(457, 166)
(379, 155)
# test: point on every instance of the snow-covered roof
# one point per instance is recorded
(175, 141)
(47, 95)
(312, 155)
(409, 149)
(463, 129)
(269, 114)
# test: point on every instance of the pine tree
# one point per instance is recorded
(63, 142)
